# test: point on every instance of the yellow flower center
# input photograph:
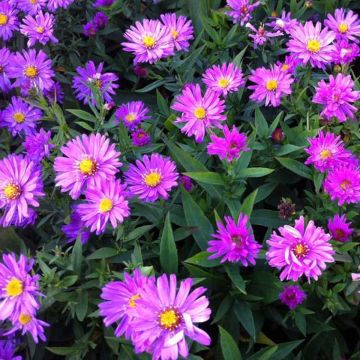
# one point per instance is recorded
(149, 41)
(31, 71)
(174, 33)
(271, 85)
(244, 10)
(343, 28)
(346, 184)
(169, 319)
(130, 117)
(285, 67)
(325, 154)
(200, 113)
(40, 29)
(88, 167)
(313, 46)
(12, 191)
(19, 117)
(132, 300)
(300, 250)
(223, 83)
(153, 179)
(105, 205)
(1, 69)
(3, 19)
(14, 287)
(33, 1)
(24, 319)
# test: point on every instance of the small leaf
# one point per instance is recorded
(168, 251)
(234, 274)
(261, 124)
(76, 256)
(248, 203)
(207, 177)
(244, 314)
(295, 166)
(103, 253)
(202, 259)
(83, 115)
(229, 347)
(254, 172)
(151, 86)
(300, 322)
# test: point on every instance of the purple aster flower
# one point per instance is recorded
(38, 145)
(152, 178)
(200, 113)
(292, 296)
(90, 29)
(312, 44)
(141, 71)
(100, 20)
(327, 151)
(106, 202)
(39, 29)
(91, 77)
(261, 34)
(20, 116)
(345, 24)
(284, 23)
(149, 41)
(241, 10)
(140, 138)
(270, 85)
(186, 182)
(31, 69)
(223, 79)
(19, 289)
(234, 242)
(181, 30)
(132, 114)
(8, 20)
(103, 3)
(53, 5)
(5, 56)
(166, 315)
(55, 94)
(339, 229)
(345, 52)
(31, 7)
(87, 157)
(28, 323)
(20, 187)
(230, 146)
(7, 350)
(299, 251)
(289, 65)
(119, 297)
(337, 97)
(343, 184)
(76, 228)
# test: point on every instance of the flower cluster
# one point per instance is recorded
(98, 22)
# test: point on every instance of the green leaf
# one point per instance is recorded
(264, 354)
(152, 86)
(296, 167)
(254, 172)
(81, 114)
(162, 104)
(208, 177)
(229, 347)
(267, 218)
(70, 280)
(84, 125)
(202, 259)
(300, 322)
(64, 350)
(287, 149)
(261, 124)
(76, 256)
(238, 58)
(248, 203)
(234, 274)
(102, 253)
(285, 349)
(82, 306)
(195, 218)
(168, 251)
(264, 191)
(244, 314)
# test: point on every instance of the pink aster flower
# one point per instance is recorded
(38, 145)
(327, 151)
(289, 65)
(300, 250)
(292, 296)
(31, 69)
(345, 24)
(337, 96)
(92, 77)
(76, 227)
(132, 114)
(339, 229)
(223, 79)
(19, 289)
(119, 299)
(31, 7)
(39, 29)
(312, 44)
(152, 178)
(284, 23)
(140, 138)
(198, 112)
(20, 188)
(8, 20)
(53, 5)
(230, 146)
(343, 185)
(241, 10)
(261, 34)
(87, 157)
(149, 41)
(181, 30)
(234, 242)
(165, 316)
(270, 85)
(5, 58)
(20, 117)
(345, 52)
(106, 202)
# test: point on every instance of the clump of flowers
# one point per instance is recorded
(292, 296)
(241, 10)
(339, 228)
(38, 145)
(284, 23)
